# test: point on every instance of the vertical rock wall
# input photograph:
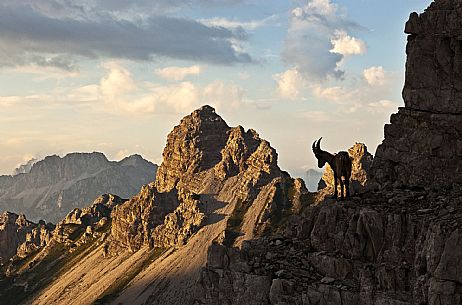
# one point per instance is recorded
(423, 143)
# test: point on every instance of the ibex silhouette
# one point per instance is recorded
(340, 164)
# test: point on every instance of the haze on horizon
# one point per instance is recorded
(116, 76)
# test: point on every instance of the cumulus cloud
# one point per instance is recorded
(317, 40)
(178, 73)
(338, 94)
(40, 34)
(119, 92)
(347, 45)
(290, 84)
(118, 81)
(375, 75)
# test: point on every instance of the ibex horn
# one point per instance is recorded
(318, 145)
(314, 146)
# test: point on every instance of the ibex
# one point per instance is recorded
(340, 164)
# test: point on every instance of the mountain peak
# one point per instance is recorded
(192, 146)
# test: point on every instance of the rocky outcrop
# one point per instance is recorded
(423, 144)
(361, 163)
(19, 234)
(86, 220)
(55, 186)
(382, 248)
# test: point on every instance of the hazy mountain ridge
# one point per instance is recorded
(56, 185)
(25, 168)
(312, 179)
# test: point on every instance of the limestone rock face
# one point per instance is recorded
(361, 163)
(205, 161)
(55, 186)
(134, 221)
(91, 217)
(423, 144)
(18, 232)
(192, 146)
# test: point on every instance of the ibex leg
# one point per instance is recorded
(335, 186)
(341, 188)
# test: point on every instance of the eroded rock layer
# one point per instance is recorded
(423, 143)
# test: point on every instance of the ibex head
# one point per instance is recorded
(317, 153)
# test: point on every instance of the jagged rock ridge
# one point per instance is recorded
(16, 231)
(204, 156)
(55, 186)
(34, 254)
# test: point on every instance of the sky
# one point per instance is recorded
(116, 76)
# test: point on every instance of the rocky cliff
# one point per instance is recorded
(423, 144)
(55, 186)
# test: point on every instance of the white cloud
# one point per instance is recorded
(290, 84)
(119, 92)
(117, 82)
(375, 75)
(318, 40)
(233, 24)
(178, 73)
(336, 94)
(347, 45)
(223, 95)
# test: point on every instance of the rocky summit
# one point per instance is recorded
(223, 224)
(54, 186)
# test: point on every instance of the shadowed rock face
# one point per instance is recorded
(423, 144)
(396, 247)
(55, 186)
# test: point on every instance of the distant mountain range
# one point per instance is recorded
(54, 186)
(312, 178)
